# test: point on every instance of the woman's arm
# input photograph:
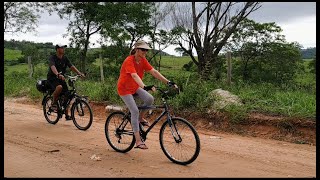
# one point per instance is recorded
(158, 75)
(138, 80)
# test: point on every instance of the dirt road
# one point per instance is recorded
(35, 148)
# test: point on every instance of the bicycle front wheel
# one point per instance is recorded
(51, 116)
(179, 141)
(82, 114)
(119, 132)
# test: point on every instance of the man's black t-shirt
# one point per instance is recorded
(61, 65)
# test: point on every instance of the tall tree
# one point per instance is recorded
(249, 41)
(23, 16)
(115, 21)
(159, 12)
(85, 20)
(207, 29)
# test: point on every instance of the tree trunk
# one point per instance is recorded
(205, 66)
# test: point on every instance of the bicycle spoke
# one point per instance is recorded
(183, 150)
(119, 132)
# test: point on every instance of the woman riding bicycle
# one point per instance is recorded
(130, 83)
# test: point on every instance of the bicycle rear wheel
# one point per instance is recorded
(82, 114)
(51, 116)
(119, 132)
(180, 141)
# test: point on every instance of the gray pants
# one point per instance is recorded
(130, 102)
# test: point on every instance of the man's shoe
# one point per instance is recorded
(68, 118)
(54, 108)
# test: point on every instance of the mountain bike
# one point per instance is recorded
(81, 112)
(178, 138)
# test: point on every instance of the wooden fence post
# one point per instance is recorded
(228, 56)
(30, 67)
(101, 68)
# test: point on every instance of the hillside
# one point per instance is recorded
(308, 53)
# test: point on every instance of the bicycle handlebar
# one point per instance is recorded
(165, 92)
(73, 77)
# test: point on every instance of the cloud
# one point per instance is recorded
(303, 32)
(283, 12)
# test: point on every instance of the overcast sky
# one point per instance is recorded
(297, 20)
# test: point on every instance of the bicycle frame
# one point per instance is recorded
(71, 94)
(143, 132)
(120, 135)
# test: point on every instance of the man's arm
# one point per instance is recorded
(74, 69)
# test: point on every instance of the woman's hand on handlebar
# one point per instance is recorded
(172, 84)
(148, 88)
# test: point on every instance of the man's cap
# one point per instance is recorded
(61, 46)
(141, 44)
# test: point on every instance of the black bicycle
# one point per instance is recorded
(178, 138)
(81, 112)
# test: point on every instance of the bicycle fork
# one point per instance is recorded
(79, 108)
(174, 131)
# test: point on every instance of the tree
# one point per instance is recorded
(23, 16)
(159, 12)
(179, 50)
(312, 65)
(207, 29)
(86, 22)
(249, 40)
(277, 64)
(115, 21)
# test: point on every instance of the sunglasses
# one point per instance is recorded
(145, 50)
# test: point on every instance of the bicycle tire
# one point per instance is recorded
(81, 108)
(185, 151)
(121, 139)
(48, 114)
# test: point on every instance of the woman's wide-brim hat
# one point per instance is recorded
(141, 44)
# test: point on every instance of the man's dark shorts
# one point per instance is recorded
(54, 82)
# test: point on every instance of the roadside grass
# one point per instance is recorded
(11, 54)
(287, 100)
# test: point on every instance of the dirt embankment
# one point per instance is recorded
(294, 130)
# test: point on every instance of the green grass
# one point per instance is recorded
(17, 68)
(266, 98)
(171, 62)
(10, 54)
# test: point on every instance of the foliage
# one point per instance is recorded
(276, 63)
(119, 21)
(312, 65)
(207, 29)
(288, 99)
(11, 54)
(23, 16)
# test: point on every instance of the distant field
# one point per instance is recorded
(10, 54)
(173, 62)
(17, 68)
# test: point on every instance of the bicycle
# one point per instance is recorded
(81, 112)
(178, 138)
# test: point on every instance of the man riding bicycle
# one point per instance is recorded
(57, 68)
